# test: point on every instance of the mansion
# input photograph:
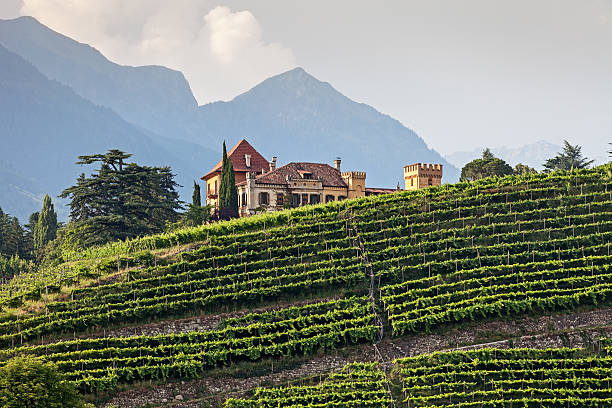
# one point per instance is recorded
(264, 187)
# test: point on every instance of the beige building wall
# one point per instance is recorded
(422, 175)
(355, 180)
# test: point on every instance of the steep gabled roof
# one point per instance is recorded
(329, 176)
(237, 156)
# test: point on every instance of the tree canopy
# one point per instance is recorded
(486, 166)
(26, 382)
(121, 200)
(569, 158)
(196, 198)
(228, 193)
(45, 229)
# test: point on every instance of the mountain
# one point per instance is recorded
(292, 115)
(298, 118)
(533, 155)
(44, 126)
(153, 97)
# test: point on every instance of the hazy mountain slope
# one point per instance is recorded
(292, 115)
(44, 126)
(299, 118)
(154, 97)
(533, 155)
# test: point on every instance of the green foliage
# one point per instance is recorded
(196, 197)
(122, 200)
(15, 240)
(499, 378)
(569, 159)
(356, 385)
(14, 265)
(487, 166)
(197, 215)
(228, 193)
(46, 225)
(289, 331)
(523, 169)
(26, 382)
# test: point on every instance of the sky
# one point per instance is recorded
(462, 74)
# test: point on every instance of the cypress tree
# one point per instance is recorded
(196, 198)
(46, 227)
(228, 193)
(222, 197)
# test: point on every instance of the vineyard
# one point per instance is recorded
(504, 378)
(392, 267)
(357, 385)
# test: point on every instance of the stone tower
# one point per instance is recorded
(422, 175)
(355, 180)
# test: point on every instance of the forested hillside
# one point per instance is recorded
(290, 298)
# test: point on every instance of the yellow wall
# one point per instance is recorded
(417, 176)
(210, 189)
(356, 183)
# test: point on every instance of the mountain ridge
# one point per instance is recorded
(30, 102)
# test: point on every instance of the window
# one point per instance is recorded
(295, 200)
(280, 199)
(244, 200)
(308, 176)
(315, 199)
(430, 182)
(329, 198)
(304, 199)
(264, 199)
(412, 181)
(340, 198)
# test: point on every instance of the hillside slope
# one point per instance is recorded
(44, 127)
(517, 260)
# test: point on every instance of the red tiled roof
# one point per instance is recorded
(236, 155)
(328, 175)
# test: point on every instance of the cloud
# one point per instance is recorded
(231, 33)
(10, 8)
(221, 51)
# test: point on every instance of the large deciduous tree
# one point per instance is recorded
(26, 382)
(121, 200)
(487, 166)
(569, 158)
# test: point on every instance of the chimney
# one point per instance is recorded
(337, 163)
(247, 159)
(273, 164)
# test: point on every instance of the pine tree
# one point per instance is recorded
(569, 159)
(121, 200)
(46, 227)
(196, 198)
